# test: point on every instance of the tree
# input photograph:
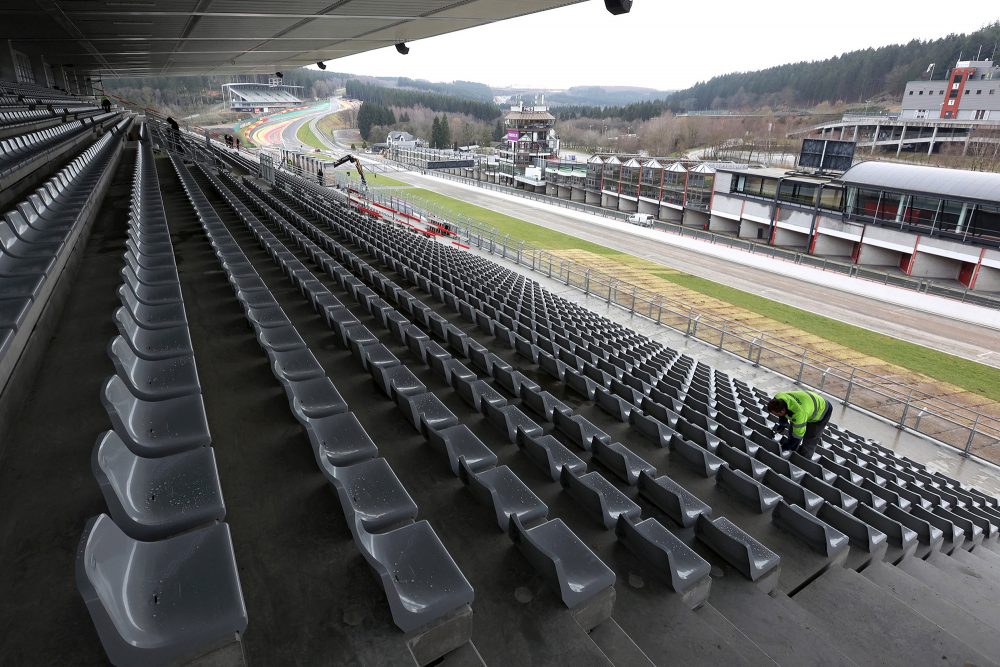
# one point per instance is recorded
(436, 133)
(445, 132)
(498, 131)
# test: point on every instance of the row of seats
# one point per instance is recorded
(157, 573)
(16, 152)
(12, 92)
(791, 490)
(572, 569)
(38, 236)
(378, 510)
(610, 507)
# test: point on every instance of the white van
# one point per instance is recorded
(641, 219)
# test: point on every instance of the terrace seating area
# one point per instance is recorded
(428, 458)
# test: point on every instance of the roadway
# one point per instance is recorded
(946, 334)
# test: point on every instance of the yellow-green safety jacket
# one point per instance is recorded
(804, 407)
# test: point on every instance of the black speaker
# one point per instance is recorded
(617, 7)
(402, 48)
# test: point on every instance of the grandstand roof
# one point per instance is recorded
(175, 37)
(951, 183)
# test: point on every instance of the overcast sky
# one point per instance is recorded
(664, 44)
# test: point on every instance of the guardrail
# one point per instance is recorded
(966, 429)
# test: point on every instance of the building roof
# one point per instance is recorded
(950, 183)
(176, 37)
(528, 115)
(399, 135)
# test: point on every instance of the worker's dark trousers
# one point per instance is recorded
(814, 432)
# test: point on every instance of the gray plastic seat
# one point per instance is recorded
(161, 316)
(160, 603)
(155, 428)
(458, 442)
(151, 344)
(421, 581)
(339, 440)
(370, 492)
(154, 379)
(622, 461)
(568, 566)
(669, 559)
(599, 497)
(673, 499)
(750, 557)
(295, 365)
(314, 397)
(151, 499)
(502, 490)
(549, 454)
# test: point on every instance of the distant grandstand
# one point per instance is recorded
(259, 96)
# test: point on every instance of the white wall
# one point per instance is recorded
(988, 279)
(932, 266)
(832, 246)
(871, 255)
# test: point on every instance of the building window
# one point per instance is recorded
(979, 92)
(980, 114)
(953, 94)
(921, 92)
(22, 68)
(911, 92)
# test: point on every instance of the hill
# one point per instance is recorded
(852, 77)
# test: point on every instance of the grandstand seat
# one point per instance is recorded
(598, 496)
(421, 581)
(162, 602)
(150, 499)
(339, 440)
(568, 566)
(664, 554)
(504, 492)
(370, 494)
(154, 379)
(155, 428)
(459, 443)
(751, 558)
(549, 454)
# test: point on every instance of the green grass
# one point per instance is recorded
(979, 378)
(334, 121)
(517, 228)
(309, 138)
(375, 180)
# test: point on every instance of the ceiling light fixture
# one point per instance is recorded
(618, 7)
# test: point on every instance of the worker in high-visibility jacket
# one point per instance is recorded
(807, 413)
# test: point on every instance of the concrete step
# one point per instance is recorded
(618, 646)
(984, 565)
(956, 588)
(664, 629)
(777, 624)
(925, 600)
(866, 621)
(975, 572)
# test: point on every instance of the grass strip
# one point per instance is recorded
(970, 375)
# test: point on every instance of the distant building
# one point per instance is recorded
(259, 97)
(971, 92)
(400, 139)
(529, 141)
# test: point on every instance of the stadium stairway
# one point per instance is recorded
(569, 490)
